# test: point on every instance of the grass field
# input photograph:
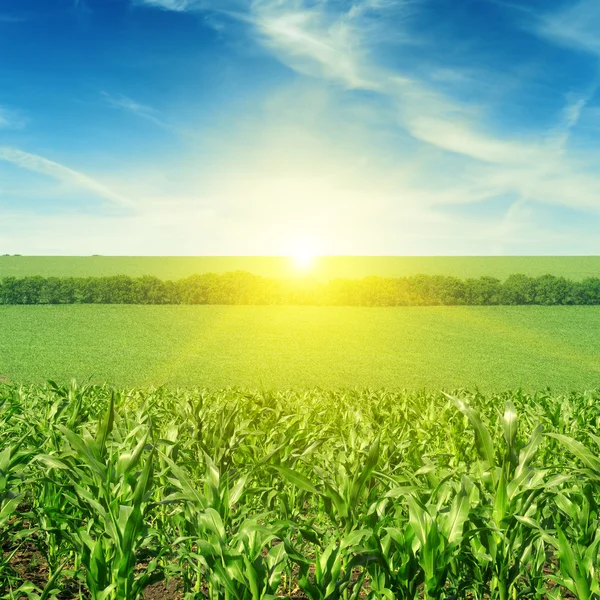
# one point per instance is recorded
(572, 267)
(492, 348)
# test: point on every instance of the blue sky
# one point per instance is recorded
(261, 126)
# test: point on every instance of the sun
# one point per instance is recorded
(303, 254)
(303, 259)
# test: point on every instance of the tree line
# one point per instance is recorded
(240, 287)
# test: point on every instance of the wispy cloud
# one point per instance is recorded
(377, 137)
(315, 42)
(141, 110)
(576, 26)
(336, 45)
(39, 164)
(513, 6)
(559, 136)
(11, 119)
(176, 5)
(308, 35)
(4, 119)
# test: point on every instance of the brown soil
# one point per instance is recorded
(160, 591)
(30, 565)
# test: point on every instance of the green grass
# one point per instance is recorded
(572, 267)
(492, 348)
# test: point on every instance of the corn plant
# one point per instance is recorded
(333, 567)
(577, 537)
(229, 553)
(240, 564)
(512, 488)
(345, 494)
(111, 487)
(12, 463)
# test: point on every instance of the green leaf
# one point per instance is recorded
(418, 519)
(568, 565)
(528, 452)
(483, 439)
(84, 452)
(367, 471)
(457, 517)
(509, 426)
(297, 479)
(106, 426)
(237, 490)
(340, 504)
(212, 520)
(144, 480)
(500, 501)
(579, 450)
(52, 461)
(189, 489)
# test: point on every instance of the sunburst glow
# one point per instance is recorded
(303, 259)
(303, 254)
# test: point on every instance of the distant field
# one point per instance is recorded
(492, 348)
(572, 267)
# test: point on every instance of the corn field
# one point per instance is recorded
(323, 495)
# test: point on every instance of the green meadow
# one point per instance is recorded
(325, 268)
(489, 348)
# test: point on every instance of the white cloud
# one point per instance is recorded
(39, 164)
(534, 168)
(175, 5)
(558, 137)
(141, 110)
(576, 26)
(202, 232)
(362, 176)
(10, 119)
(300, 177)
(4, 121)
(121, 101)
(338, 174)
(314, 42)
(464, 139)
(513, 6)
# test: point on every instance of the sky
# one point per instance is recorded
(270, 127)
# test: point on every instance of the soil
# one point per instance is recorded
(30, 565)
(160, 591)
